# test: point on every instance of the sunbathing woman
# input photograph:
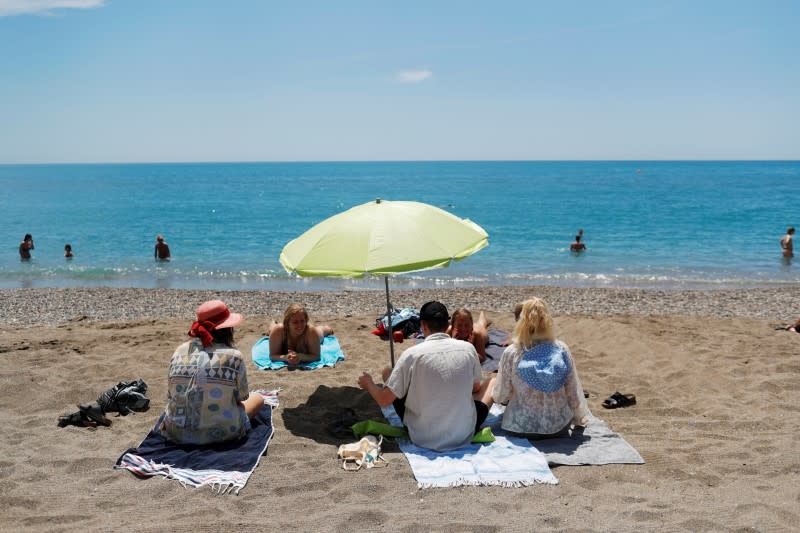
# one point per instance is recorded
(538, 379)
(792, 327)
(296, 340)
(463, 328)
(208, 400)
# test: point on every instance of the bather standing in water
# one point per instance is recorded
(25, 247)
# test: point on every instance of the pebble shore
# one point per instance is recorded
(34, 307)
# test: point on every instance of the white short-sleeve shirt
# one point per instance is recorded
(436, 379)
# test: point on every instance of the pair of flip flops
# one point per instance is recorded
(89, 415)
(618, 400)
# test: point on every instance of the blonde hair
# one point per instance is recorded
(289, 313)
(534, 324)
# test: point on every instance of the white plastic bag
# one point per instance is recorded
(365, 453)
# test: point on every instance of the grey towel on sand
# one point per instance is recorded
(595, 444)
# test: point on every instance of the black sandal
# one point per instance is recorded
(95, 413)
(618, 399)
(76, 419)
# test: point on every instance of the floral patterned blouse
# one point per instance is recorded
(205, 386)
(531, 411)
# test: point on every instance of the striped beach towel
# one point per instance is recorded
(507, 462)
(225, 466)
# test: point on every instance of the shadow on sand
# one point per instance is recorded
(329, 412)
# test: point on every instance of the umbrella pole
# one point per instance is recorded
(389, 317)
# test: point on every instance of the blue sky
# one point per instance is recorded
(257, 80)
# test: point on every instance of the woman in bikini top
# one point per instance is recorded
(294, 341)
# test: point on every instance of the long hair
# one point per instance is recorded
(461, 311)
(223, 336)
(534, 324)
(289, 313)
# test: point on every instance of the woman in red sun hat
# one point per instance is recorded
(208, 398)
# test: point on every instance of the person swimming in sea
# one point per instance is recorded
(787, 246)
(161, 251)
(578, 246)
(25, 247)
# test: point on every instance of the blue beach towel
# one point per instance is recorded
(507, 462)
(225, 466)
(330, 353)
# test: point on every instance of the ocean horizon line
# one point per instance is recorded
(373, 161)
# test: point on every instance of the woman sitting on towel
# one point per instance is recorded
(208, 400)
(476, 333)
(296, 340)
(538, 379)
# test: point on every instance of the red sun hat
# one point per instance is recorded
(216, 312)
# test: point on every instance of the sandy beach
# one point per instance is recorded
(716, 418)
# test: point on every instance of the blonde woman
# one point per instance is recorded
(296, 340)
(538, 380)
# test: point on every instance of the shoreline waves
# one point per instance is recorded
(30, 307)
(661, 225)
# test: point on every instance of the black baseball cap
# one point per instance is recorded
(433, 311)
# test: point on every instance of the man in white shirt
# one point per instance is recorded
(433, 384)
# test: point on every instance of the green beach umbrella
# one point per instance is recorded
(383, 238)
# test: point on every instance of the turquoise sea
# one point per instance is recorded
(646, 224)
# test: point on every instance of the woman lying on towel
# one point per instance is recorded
(296, 340)
(208, 399)
(538, 379)
(463, 328)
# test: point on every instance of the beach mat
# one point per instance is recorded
(226, 466)
(506, 462)
(330, 353)
(494, 349)
(596, 444)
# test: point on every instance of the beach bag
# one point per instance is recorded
(365, 453)
(125, 397)
(405, 320)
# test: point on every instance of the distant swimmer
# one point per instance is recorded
(68, 251)
(161, 251)
(786, 243)
(25, 247)
(577, 246)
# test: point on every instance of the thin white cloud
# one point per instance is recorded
(23, 7)
(413, 76)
